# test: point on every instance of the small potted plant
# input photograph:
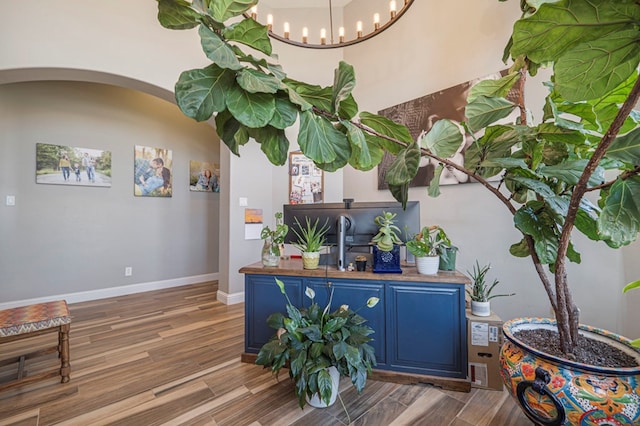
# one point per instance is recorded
(273, 240)
(424, 246)
(318, 346)
(446, 250)
(480, 293)
(361, 262)
(386, 249)
(310, 240)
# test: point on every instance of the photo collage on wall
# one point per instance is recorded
(305, 180)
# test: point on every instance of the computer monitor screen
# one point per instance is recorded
(360, 226)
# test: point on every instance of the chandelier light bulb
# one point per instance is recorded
(376, 21)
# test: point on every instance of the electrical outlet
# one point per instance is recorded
(128, 271)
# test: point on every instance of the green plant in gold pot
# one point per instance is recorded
(311, 238)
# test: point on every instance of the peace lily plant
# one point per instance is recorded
(588, 126)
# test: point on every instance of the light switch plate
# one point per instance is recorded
(11, 200)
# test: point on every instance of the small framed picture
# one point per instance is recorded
(305, 180)
(72, 165)
(152, 172)
(204, 176)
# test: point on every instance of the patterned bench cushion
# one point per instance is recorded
(26, 319)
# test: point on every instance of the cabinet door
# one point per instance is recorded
(426, 329)
(355, 294)
(263, 298)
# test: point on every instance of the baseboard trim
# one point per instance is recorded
(230, 299)
(104, 293)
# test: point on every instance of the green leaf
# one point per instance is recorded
(400, 193)
(404, 166)
(520, 249)
(221, 10)
(348, 108)
(618, 221)
(496, 143)
(444, 138)
(558, 204)
(250, 109)
(177, 15)
(250, 33)
(217, 50)
(387, 127)
(434, 184)
(587, 220)
(591, 69)
(285, 113)
(232, 133)
(353, 356)
(493, 88)
(344, 81)
(318, 138)
(557, 27)
(530, 220)
(254, 81)
(360, 153)
(630, 286)
(553, 133)
(273, 143)
(484, 111)
(201, 92)
(570, 172)
(319, 97)
(626, 148)
(324, 386)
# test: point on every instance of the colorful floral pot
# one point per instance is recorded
(555, 391)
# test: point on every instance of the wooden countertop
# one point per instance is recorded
(293, 267)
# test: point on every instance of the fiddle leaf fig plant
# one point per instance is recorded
(585, 143)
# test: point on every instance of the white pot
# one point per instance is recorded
(316, 401)
(481, 309)
(427, 265)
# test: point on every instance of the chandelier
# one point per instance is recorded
(319, 24)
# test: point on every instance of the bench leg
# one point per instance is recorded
(63, 351)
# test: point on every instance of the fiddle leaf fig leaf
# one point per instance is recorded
(387, 127)
(251, 109)
(273, 143)
(484, 111)
(360, 153)
(232, 133)
(618, 222)
(558, 204)
(552, 133)
(221, 10)
(250, 33)
(343, 83)
(541, 230)
(520, 249)
(217, 50)
(319, 97)
(404, 166)
(493, 88)
(318, 138)
(177, 15)
(400, 193)
(570, 172)
(444, 138)
(254, 81)
(285, 113)
(557, 27)
(587, 220)
(594, 68)
(626, 148)
(434, 185)
(201, 92)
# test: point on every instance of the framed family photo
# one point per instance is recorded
(204, 176)
(152, 172)
(72, 165)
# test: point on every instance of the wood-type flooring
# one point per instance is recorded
(172, 357)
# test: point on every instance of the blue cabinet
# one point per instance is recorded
(419, 323)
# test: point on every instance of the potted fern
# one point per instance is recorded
(310, 240)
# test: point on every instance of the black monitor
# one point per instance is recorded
(357, 220)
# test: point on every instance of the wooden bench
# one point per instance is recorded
(33, 320)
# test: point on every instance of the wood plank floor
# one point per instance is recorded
(172, 357)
